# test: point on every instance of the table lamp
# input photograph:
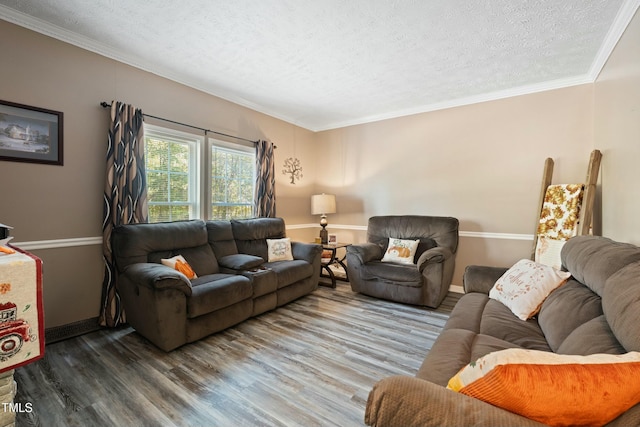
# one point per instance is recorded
(323, 204)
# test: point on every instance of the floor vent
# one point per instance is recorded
(59, 333)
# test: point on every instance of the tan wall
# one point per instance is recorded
(617, 131)
(46, 202)
(480, 163)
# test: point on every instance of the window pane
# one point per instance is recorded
(157, 154)
(179, 212)
(157, 186)
(179, 157)
(170, 161)
(179, 188)
(159, 213)
(232, 183)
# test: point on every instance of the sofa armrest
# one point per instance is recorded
(306, 251)
(157, 276)
(481, 279)
(409, 401)
(365, 252)
(433, 256)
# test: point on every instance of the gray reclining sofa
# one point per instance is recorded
(234, 280)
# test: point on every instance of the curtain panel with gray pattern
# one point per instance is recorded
(265, 193)
(125, 196)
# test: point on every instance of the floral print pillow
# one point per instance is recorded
(525, 286)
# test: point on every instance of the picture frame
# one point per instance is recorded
(332, 239)
(30, 134)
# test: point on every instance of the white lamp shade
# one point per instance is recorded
(323, 204)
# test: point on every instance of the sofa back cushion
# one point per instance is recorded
(251, 234)
(139, 243)
(592, 259)
(220, 237)
(431, 231)
(598, 310)
(621, 305)
(565, 309)
(592, 337)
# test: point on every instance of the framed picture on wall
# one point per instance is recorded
(30, 134)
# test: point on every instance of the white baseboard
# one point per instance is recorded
(457, 289)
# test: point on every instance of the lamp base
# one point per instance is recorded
(324, 235)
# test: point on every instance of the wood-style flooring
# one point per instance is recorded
(309, 363)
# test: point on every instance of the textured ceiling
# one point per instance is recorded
(331, 63)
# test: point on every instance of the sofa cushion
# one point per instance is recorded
(592, 337)
(477, 326)
(401, 274)
(240, 261)
(220, 238)
(289, 272)
(568, 307)
(525, 286)
(499, 322)
(430, 230)
(132, 243)
(454, 349)
(592, 259)
(554, 389)
(216, 291)
(251, 234)
(621, 305)
(200, 258)
(467, 313)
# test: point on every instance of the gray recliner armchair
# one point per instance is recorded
(424, 282)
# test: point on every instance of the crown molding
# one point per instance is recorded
(620, 24)
(493, 96)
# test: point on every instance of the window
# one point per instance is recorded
(232, 180)
(179, 166)
(171, 160)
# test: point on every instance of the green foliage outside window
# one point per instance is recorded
(171, 169)
(232, 183)
(167, 164)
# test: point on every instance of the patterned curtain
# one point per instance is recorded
(265, 204)
(125, 196)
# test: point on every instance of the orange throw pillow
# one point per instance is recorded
(554, 389)
(180, 264)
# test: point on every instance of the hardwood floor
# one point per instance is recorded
(309, 363)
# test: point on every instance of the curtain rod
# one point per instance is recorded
(107, 105)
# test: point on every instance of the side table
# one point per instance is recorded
(334, 259)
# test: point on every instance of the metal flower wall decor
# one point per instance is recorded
(293, 168)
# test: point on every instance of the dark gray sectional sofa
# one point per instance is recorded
(235, 280)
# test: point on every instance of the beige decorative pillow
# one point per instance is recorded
(279, 249)
(180, 264)
(525, 286)
(548, 251)
(401, 251)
